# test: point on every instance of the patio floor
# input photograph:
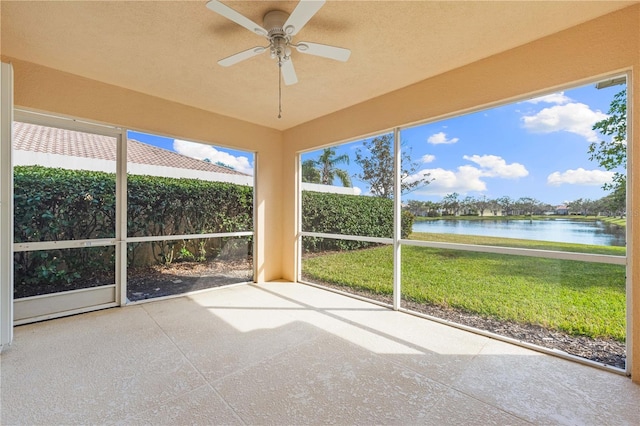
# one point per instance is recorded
(283, 353)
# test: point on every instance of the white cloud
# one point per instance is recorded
(441, 138)
(201, 151)
(554, 98)
(357, 190)
(580, 176)
(428, 158)
(494, 166)
(575, 118)
(468, 178)
(443, 182)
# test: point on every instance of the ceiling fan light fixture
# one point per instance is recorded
(278, 28)
(274, 20)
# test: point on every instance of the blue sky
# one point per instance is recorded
(535, 148)
(240, 160)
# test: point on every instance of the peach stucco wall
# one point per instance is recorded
(597, 48)
(610, 44)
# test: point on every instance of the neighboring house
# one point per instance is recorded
(54, 147)
(562, 210)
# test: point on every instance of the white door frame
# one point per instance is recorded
(6, 205)
(54, 305)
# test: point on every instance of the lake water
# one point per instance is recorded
(560, 230)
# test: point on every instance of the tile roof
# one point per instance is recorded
(35, 138)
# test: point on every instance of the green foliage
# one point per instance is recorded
(185, 254)
(451, 204)
(310, 173)
(57, 204)
(50, 271)
(506, 208)
(612, 154)
(348, 215)
(221, 164)
(324, 170)
(167, 206)
(377, 168)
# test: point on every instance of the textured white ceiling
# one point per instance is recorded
(169, 49)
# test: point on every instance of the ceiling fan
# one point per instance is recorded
(279, 28)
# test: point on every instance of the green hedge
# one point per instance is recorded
(57, 204)
(348, 215)
(54, 204)
(170, 206)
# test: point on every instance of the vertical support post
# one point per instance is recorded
(121, 219)
(397, 217)
(630, 231)
(255, 216)
(298, 207)
(6, 205)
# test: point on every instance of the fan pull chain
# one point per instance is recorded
(279, 88)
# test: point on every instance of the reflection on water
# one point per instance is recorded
(559, 230)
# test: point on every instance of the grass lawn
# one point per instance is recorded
(620, 221)
(513, 242)
(579, 298)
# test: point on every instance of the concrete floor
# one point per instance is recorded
(283, 353)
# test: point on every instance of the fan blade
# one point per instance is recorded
(238, 57)
(301, 15)
(331, 52)
(289, 73)
(236, 17)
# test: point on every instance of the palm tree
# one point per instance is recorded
(326, 167)
(309, 172)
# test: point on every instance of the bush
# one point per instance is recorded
(59, 204)
(348, 215)
(168, 206)
(52, 204)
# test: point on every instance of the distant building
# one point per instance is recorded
(562, 210)
(36, 145)
(55, 147)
